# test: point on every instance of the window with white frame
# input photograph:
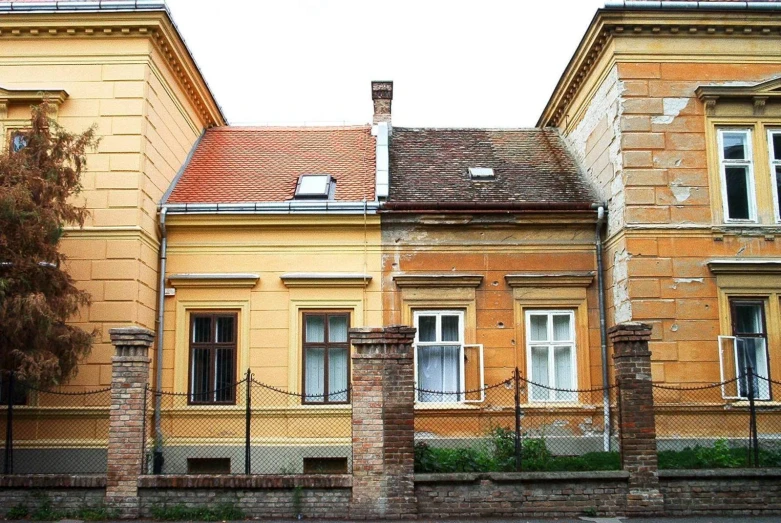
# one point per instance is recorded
(737, 175)
(774, 146)
(745, 349)
(550, 346)
(439, 355)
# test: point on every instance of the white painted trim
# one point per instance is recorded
(773, 163)
(551, 363)
(482, 373)
(748, 163)
(438, 313)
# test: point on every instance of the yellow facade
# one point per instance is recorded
(130, 76)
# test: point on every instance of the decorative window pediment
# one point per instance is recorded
(758, 94)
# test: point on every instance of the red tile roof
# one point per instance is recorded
(262, 164)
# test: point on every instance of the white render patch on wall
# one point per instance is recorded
(621, 302)
(672, 107)
(600, 128)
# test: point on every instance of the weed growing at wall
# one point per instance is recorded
(180, 512)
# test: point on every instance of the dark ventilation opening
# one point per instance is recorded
(325, 465)
(208, 465)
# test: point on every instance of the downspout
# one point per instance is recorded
(603, 329)
(158, 454)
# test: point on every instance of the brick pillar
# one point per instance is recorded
(129, 378)
(637, 425)
(383, 398)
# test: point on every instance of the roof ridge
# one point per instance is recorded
(489, 129)
(280, 128)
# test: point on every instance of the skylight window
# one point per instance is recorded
(314, 186)
(481, 173)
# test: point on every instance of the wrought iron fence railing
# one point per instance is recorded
(53, 431)
(257, 429)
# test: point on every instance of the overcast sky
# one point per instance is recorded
(454, 63)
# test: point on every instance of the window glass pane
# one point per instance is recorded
(451, 370)
(563, 364)
(225, 328)
(200, 374)
(224, 363)
(337, 329)
(337, 374)
(430, 372)
(315, 375)
(734, 146)
(777, 146)
(538, 327)
(748, 318)
(201, 329)
(539, 372)
(427, 328)
(18, 142)
(737, 193)
(450, 331)
(561, 327)
(751, 352)
(314, 185)
(778, 186)
(315, 329)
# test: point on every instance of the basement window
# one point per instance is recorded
(315, 186)
(481, 173)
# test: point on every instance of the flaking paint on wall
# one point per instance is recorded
(622, 303)
(672, 108)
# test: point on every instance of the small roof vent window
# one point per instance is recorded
(315, 186)
(481, 173)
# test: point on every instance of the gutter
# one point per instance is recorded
(601, 215)
(157, 461)
(485, 206)
(290, 207)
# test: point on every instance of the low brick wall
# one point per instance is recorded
(315, 496)
(526, 494)
(737, 492)
(61, 492)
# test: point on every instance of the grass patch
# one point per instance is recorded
(720, 456)
(219, 512)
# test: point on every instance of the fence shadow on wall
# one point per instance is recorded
(248, 427)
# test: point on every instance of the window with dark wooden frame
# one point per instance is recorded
(213, 358)
(748, 328)
(326, 349)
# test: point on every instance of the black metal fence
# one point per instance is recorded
(515, 425)
(735, 423)
(248, 428)
(53, 431)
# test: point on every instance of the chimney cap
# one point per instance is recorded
(382, 90)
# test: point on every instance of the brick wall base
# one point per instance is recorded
(519, 495)
(62, 494)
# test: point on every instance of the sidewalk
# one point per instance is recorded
(693, 519)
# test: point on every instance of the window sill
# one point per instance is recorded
(432, 405)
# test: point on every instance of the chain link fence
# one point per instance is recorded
(53, 431)
(735, 423)
(515, 425)
(248, 428)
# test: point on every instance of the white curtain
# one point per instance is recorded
(538, 330)
(450, 328)
(439, 372)
(315, 373)
(562, 361)
(561, 328)
(337, 329)
(540, 372)
(315, 329)
(427, 328)
(337, 373)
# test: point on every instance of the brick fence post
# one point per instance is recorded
(129, 378)
(383, 398)
(637, 425)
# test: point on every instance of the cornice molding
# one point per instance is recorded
(325, 279)
(608, 24)
(560, 279)
(54, 96)
(214, 280)
(154, 25)
(438, 280)
(752, 266)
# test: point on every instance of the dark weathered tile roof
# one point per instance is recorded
(532, 167)
(262, 164)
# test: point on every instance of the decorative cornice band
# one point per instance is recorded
(610, 23)
(325, 279)
(438, 280)
(541, 279)
(214, 280)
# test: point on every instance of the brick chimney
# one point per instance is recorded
(382, 96)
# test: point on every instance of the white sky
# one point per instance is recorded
(454, 63)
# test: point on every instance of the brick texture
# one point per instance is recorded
(130, 375)
(383, 423)
(637, 426)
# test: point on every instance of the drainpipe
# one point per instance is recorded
(603, 329)
(157, 463)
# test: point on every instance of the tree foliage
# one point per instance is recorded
(37, 296)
